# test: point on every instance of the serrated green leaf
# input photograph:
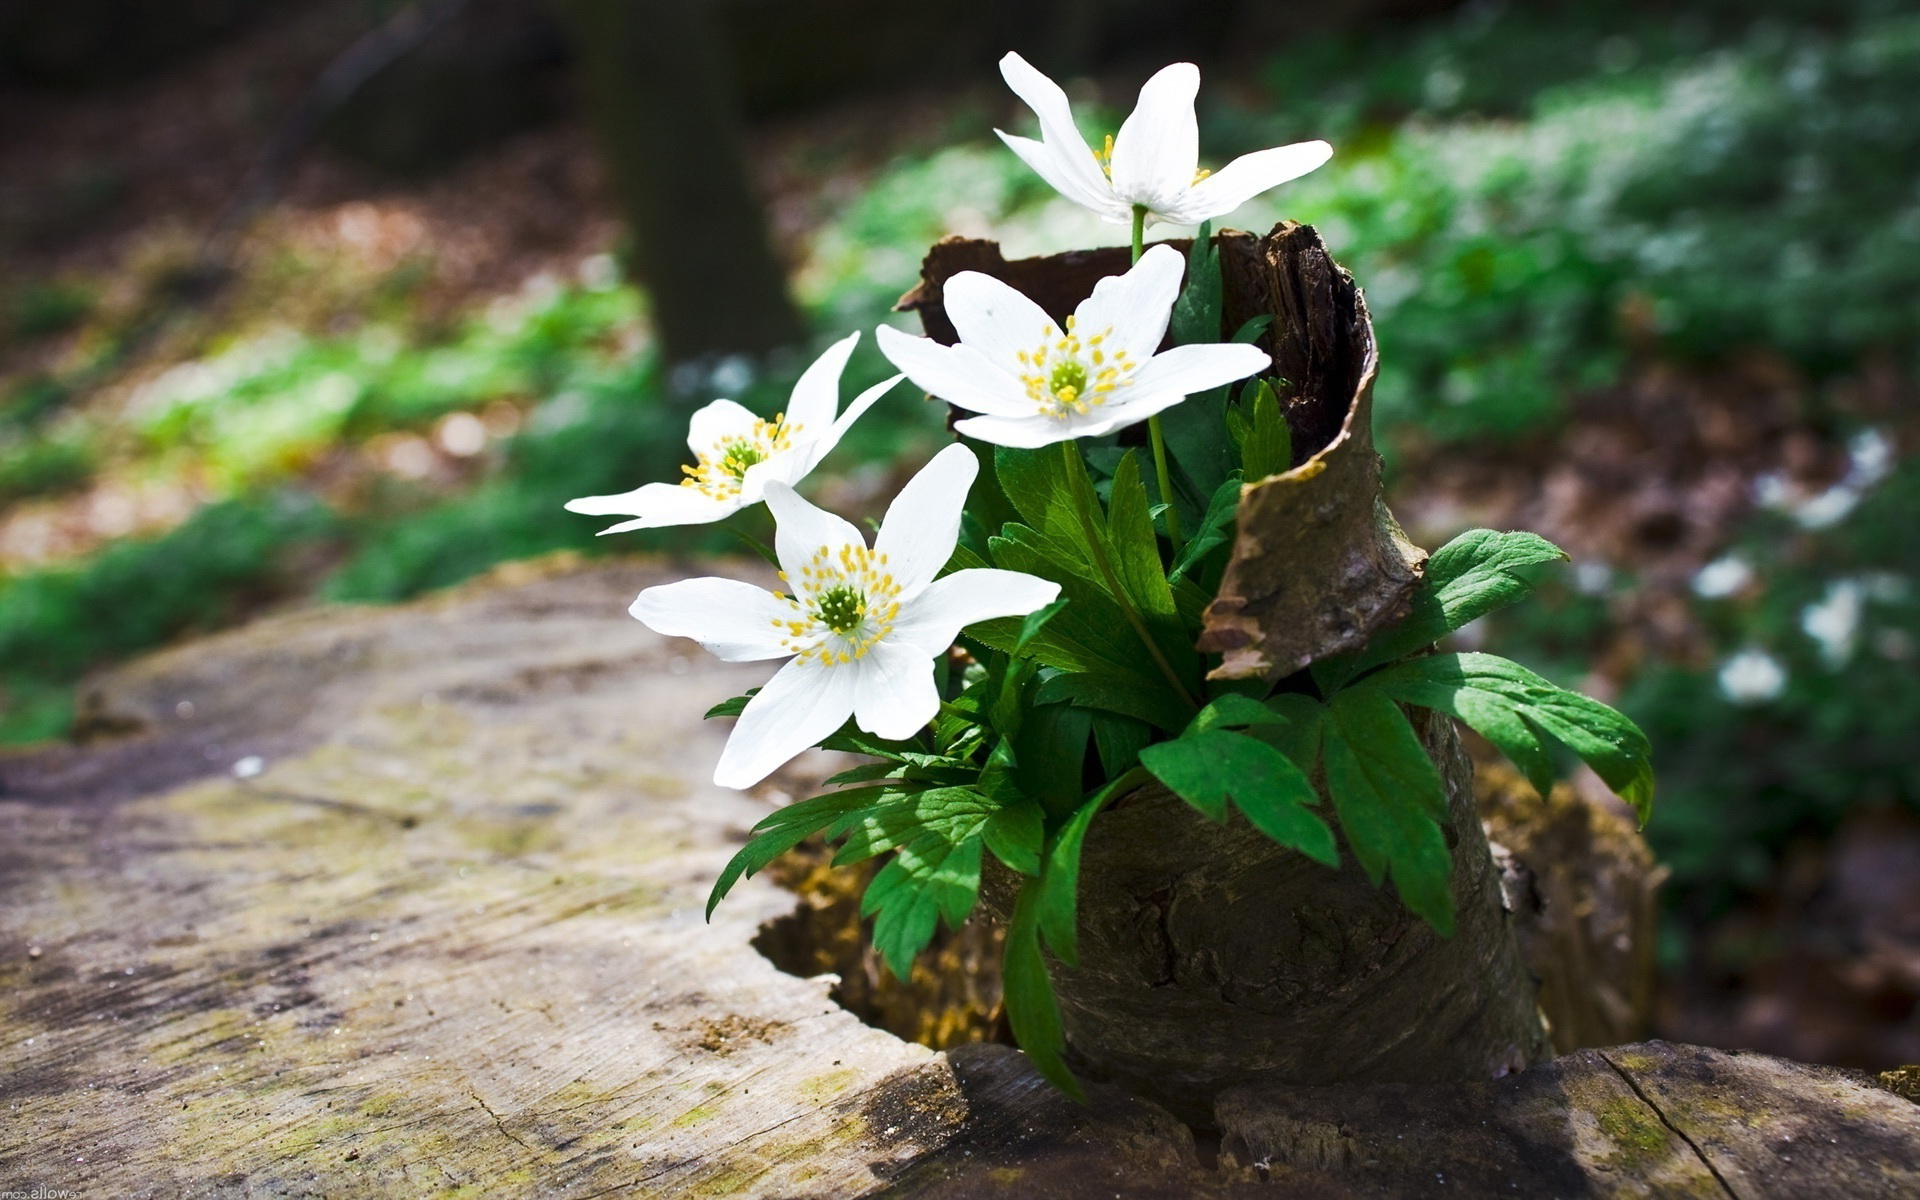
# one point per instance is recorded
(1090, 634)
(952, 813)
(867, 773)
(1299, 738)
(1016, 835)
(1027, 992)
(784, 829)
(1219, 517)
(1268, 449)
(1135, 554)
(1391, 801)
(1491, 694)
(929, 880)
(1469, 577)
(1209, 769)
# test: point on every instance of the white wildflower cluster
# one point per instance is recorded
(860, 625)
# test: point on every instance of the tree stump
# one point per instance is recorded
(448, 940)
(1211, 956)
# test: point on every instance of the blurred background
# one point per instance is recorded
(339, 300)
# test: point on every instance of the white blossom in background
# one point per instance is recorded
(1752, 677)
(1154, 161)
(1035, 383)
(1834, 622)
(860, 626)
(736, 454)
(1870, 458)
(1723, 577)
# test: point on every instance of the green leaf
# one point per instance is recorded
(1220, 514)
(1051, 750)
(1148, 700)
(733, 707)
(1469, 577)
(1119, 740)
(1391, 801)
(1195, 430)
(1028, 995)
(868, 772)
(1090, 634)
(1034, 622)
(1209, 769)
(953, 813)
(929, 880)
(1135, 553)
(1059, 883)
(1299, 738)
(1232, 711)
(1268, 450)
(1016, 834)
(1254, 329)
(1511, 707)
(784, 829)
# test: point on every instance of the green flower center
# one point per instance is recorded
(740, 455)
(840, 608)
(1068, 379)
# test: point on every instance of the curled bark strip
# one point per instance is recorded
(1318, 562)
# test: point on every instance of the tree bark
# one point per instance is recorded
(1210, 956)
(655, 83)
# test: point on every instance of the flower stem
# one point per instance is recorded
(1083, 505)
(1160, 473)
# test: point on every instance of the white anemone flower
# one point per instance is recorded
(1035, 384)
(862, 625)
(736, 454)
(1154, 161)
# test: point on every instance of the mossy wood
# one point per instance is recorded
(448, 942)
(1210, 954)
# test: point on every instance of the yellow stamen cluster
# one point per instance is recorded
(719, 471)
(842, 603)
(1104, 156)
(1067, 375)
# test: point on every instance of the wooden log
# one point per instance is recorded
(447, 940)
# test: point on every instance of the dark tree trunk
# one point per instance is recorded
(1210, 956)
(655, 85)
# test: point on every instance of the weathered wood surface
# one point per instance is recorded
(448, 941)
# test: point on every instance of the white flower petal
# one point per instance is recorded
(656, 505)
(1131, 411)
(804, 702)
(1244, 178)
(956, 374)
(1070, 150)
(800, 529)
(718, 422)
(735, 621)
(923, 522)
(1018, 433)
(1158, 147)
(994, 319)
(895, 696)
(1190, 369)
(1045, 163)
(808, 455)
(952, 603)
(816, 394)
(1136, 305)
